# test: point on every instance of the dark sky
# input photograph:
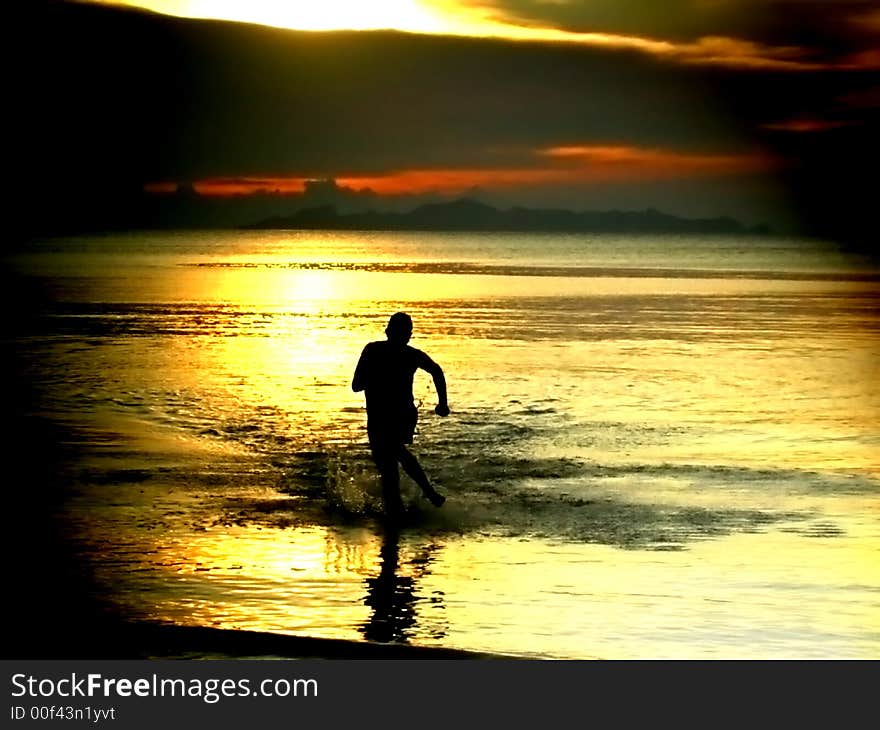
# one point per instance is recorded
(779, 124)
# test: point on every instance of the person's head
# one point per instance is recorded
(399, 328)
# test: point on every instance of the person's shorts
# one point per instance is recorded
(392, 430)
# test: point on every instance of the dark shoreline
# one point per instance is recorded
(166, 640)
(117, 639)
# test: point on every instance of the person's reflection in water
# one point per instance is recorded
(392, 597)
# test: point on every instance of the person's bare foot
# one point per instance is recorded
(435, 498)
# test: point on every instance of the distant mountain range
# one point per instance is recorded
(471, 215)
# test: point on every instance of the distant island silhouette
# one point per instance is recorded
(466, 214)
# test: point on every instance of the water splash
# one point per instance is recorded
(352, 487)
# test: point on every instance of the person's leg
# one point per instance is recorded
(412, 467)
(385, 459)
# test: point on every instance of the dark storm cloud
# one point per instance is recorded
(673, 19)
(831, 31)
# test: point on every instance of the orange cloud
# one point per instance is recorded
(868, 60)
(738, 53)
(572, 165)
(226, 186)
(804, 125)
(620, 162)
(867, 21)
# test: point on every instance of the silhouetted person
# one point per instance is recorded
(385, 373)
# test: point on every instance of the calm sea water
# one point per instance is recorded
(659, 446)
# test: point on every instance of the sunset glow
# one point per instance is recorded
(575, 164)
(325, 15)
(406, 15)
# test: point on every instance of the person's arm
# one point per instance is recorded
(436, 372)
(359, 381)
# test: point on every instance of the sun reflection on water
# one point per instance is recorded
(341, 583)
